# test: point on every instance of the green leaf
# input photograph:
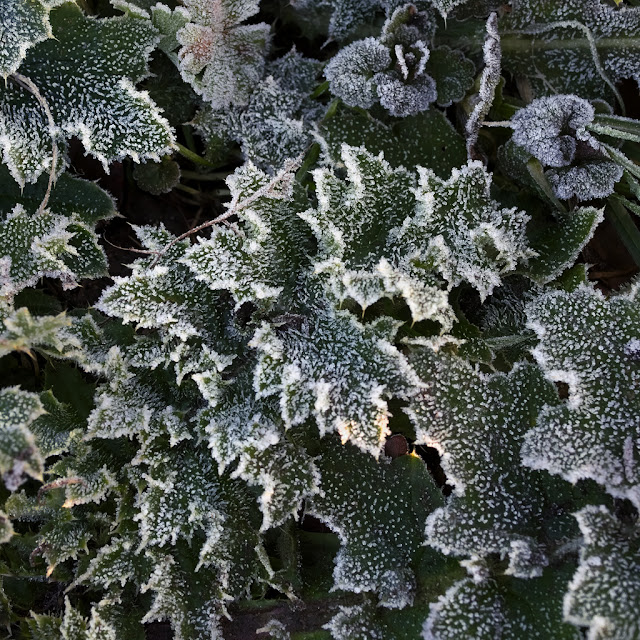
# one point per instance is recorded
(497, 505)
(583, 47)
(100, 60)
(378, 510)
(558, 244)
(19, 455)
(157, 177)
(335, 369)
(591, 344)
(261, 265)
(428, 139)
(24, 24)
(482, 608)
(605, 588)
(453, 72)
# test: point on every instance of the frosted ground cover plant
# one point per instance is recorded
(319, 320)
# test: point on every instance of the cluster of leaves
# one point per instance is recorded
(377, 378)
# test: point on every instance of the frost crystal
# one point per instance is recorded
(595, 433)
(222, 59)
(368, 504)
(478, 433)
(333, 368)
(587, 181)
(113, 119)
(606, 587)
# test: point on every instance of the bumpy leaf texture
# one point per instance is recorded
(605, 589)
(477, 423)
(222, 59)
(24, 23)
(332, 368)
(86, 73)
(592, 345)
(378, 511)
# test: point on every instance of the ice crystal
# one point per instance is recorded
(594, 434)
(605, 588)
(86, 73)
(478, 433)
(222, 59)
(367, 503)
(335, 369)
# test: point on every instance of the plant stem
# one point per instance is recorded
(194, 157)
(625, 227)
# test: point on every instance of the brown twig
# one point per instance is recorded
(30, 86)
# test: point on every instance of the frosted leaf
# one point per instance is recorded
(295, 73)
(551, 128)
(58, 242)
(249, 431)
(353, 223)
(596, 50)
(483, 609)
(113, 120)
(351, 72)
(6, 528)
(497, 504)
(605, 590)
(118, 562)
(460, 232)
(452, 72)
(19, 455)
(595, 433)
(355, 623)
(163, 295)
(587, 181)
(23, 332)
(428, 139)
(168, 22)
(401, 99)
(557, 246)
(24, 24)
(261, 265)
(335, 369)
(222, 59)
(370, 506)
(54, 430)
(181, 498)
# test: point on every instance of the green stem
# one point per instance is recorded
(625, 227)
(182, 187)
(194, 157)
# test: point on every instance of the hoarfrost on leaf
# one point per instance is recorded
(86, 73)
(587, 181)
(336, 370)
(497, 505)
(606, 587)
(368, 504)
(222, 59)
(595, 433)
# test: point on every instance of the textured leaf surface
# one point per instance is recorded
(24, 24)
(336, 370)
(534, 28)
(591, 344)
(222, 59)
(98, 61)
(261, 267)
(477, 423)
(378, 510)
(605, 589)
(19, 455)
(509, 609)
